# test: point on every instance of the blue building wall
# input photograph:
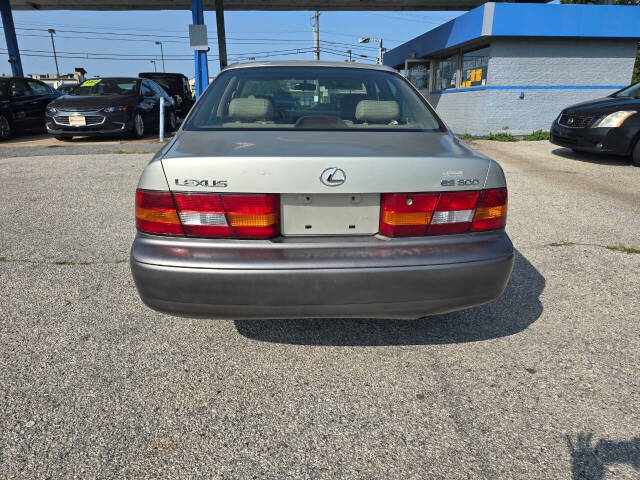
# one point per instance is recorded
(541, 59)
(577, 69)
(522, 20)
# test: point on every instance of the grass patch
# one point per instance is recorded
(613, 248)
(561, 244)
(126, 151)
(498, 137)
(67, 262)
(501, 137)
(467, 136)
(622, 248)
(537, 135)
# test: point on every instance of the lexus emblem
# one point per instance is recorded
(333, 176)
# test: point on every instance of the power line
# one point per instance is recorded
(153, 37)
(86, 56)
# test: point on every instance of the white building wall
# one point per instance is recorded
(463, 112)
(531, 62)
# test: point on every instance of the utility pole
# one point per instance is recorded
(349, 52)
(161, 54)
(316, 34)
(55, 56)
(379, 40)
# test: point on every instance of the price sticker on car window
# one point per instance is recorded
(91, 83)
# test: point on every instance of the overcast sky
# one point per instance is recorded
(125, 41)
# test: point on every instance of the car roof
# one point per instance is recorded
(309, 63)
(161, 74)
(8, 79)
(114, 78)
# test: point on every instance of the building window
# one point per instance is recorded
(474, 68)
(447, 73)
(418, 73)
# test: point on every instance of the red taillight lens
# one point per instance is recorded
(491, 212)
(202, 215)
(453, 213)
(237, 216)
(416, 214)
(406, 214)
(208, 215)
(156, 213)
(253, 216)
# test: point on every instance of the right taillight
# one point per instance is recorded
(208, 215)
(417, 214)
(491, 212)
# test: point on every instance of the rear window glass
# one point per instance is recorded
(311, 98)
(171, 85)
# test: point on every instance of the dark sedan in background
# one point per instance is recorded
(22, 105)
(609, 125)
(110, 106)
(176, 85)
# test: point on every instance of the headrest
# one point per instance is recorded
(377, 111)
(250, 109)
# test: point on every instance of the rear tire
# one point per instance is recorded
(635, 155)
(137, 131)
(5, 128)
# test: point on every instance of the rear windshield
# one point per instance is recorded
(170, 84)
(106, 86)
(311, 98)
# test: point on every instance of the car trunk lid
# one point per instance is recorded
(329, 182)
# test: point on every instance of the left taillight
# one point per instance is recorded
(156, 213)
(211, 215)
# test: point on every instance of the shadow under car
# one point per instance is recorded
(517, 308)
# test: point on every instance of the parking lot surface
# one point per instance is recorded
(541, 384)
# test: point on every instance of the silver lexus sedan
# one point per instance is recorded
(318, 189)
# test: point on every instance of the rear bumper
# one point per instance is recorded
(364, 277)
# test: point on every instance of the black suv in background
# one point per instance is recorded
(22, 104)
(176, 85)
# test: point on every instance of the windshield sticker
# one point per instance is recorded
(91, 83)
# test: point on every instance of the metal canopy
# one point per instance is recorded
(252, 4)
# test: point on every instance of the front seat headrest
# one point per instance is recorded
(376, 111)
(251, 109)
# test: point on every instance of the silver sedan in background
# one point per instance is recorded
(318, 189)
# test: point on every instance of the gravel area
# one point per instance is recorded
(541, 384)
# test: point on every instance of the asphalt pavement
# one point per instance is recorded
(541, 384)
